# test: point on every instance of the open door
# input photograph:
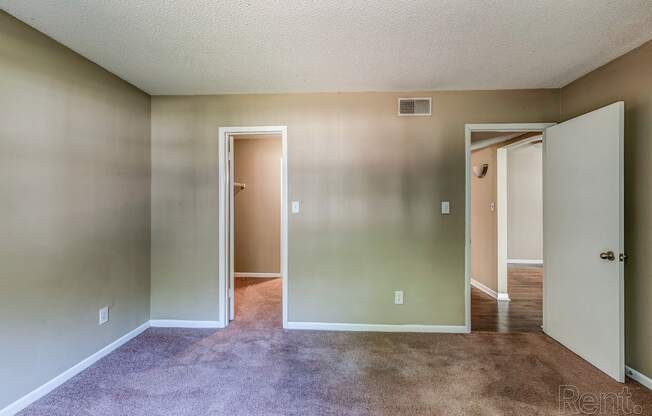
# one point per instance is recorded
(230, 211)
(583, 237)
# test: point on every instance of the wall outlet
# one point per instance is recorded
(296, 207)
(398, 297)
(104, 315)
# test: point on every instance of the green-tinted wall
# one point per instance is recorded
(74, 208)
(370, 184)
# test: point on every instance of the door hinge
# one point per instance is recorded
(231, 293)
(623, 257)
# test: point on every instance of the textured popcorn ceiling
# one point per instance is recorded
(210, 46)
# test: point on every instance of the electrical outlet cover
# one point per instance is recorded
(104, 315)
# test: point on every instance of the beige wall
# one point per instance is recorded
(629, 78)
(525, 202)
(484, 254)
(370, 183)
(74, 208)
(258, 207)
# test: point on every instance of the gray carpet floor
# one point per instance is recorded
(256, 368)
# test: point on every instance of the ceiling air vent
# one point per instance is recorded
(415, 106)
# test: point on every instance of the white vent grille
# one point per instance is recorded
(415, 106)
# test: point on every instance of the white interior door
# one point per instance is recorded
(230, 257)
(583, 237)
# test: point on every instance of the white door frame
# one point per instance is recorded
(468, 129)
(224, 274)
(502, 289)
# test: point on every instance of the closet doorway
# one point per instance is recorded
(253, 226)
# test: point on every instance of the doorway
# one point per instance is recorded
(253, 226)
(506, 274)
(583, 233)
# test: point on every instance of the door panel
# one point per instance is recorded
(583, 217)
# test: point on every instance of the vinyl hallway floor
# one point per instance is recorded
(524, 312)
(254, 367)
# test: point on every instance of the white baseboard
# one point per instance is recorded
(258, 275)
(524, 261)
(639, 377)
(484, 288)
(503, 297)
(177, 323)
(46, 388)
(328, 326)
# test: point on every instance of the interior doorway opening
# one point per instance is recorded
(505, 244)
(583, 233)
(256, 229)
(253, 226)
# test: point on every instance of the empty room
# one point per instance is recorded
(325, 208)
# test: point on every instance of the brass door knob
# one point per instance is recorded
(608, 255)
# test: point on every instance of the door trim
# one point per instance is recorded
(468, 129)
(223, 134)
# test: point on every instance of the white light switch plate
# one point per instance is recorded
(104, 315)
(296, 207)
(398, 297)
(445, 207)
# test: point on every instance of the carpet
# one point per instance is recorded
(256, 368)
